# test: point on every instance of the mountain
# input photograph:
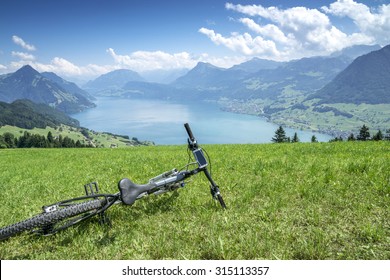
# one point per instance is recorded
(27, 83)
(365, 80)
(207, 77)
(112, 81)
(356, 51)
(256, 64)
(68, 86)
(26, 114)
(259, 78)
(164, 76)
(306, 74)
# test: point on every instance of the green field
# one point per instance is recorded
(292, 111)
(285, 201)
(96, 139)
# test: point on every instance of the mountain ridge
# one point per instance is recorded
(27, 83)
(112, 81)
(365, 80)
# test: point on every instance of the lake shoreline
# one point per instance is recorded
(161, 121)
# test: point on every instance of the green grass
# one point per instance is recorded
(285, 201)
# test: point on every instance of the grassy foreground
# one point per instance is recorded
(285, 201)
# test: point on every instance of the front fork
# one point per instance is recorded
(214, 189)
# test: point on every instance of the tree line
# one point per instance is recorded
(363, 135)
(29, 140)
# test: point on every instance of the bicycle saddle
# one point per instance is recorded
(130, 191)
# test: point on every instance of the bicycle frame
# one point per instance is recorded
(66, 213)
(129, 192)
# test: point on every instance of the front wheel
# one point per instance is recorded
(53, 219)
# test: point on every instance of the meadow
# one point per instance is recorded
(97, 139)
(285, 201)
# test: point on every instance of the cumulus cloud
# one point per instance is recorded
(145, 60)
(374, 23)
(243, 43)
(140, 61)
(20, 42)
(23, 56)
(64, 68)
(299, 31)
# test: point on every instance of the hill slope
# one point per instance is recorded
(27, 114)
(365, 80)
(299, 201)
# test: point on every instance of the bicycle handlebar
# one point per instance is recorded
(189, 132)
(192, 144)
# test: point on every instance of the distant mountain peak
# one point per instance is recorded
(357, 50)
(205, 65)
(113, 80)
(25, 68)
(26, 71)
(27, 83)
(202, 63)
(256, 64)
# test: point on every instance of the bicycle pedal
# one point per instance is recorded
(91, 189)
(104, 219)
(44, 230)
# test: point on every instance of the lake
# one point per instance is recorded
(162, 122)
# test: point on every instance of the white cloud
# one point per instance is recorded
(64, 68)
(145, 60)
(243, 43)
(23, 56)
(20, 42)
(142, 61)
(299, 31)
(373, 23)
(269, 30)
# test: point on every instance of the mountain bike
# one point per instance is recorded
(67, 213)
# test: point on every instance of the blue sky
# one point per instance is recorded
(83, 39)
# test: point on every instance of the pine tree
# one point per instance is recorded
(364, 133)
(378, 136)
(50, 137)
(314, 139)
(351, 137)
(295, 138)
(280, 136)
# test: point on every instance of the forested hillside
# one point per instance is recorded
(27, 114)
(365, 80)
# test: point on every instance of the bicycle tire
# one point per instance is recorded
(220, 199)
(45, 219)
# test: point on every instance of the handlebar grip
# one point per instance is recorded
(189, 132)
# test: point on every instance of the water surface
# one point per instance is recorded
(162, 122)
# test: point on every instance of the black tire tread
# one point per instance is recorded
(44, 219)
